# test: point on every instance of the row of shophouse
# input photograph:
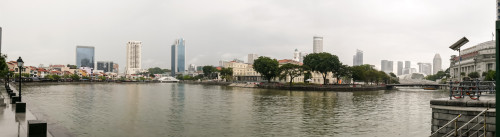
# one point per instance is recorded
(59, 70)
(245, 72)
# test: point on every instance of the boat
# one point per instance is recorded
(430, 88)
(168, 80)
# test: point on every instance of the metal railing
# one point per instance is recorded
(457, 131)
(473, 89)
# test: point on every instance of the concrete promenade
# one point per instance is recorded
(13, 124)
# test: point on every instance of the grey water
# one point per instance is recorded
(167, 109)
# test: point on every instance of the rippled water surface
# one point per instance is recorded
(161, 109)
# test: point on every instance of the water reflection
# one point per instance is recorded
(204, 110)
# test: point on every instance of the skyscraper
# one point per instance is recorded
(178, 62)
(317, 44)
(134, 57)
(358, 58)
(425, 68)
(387, 66)
(252, 57)
(436, 64)
(106, 66)
(296, 55)
(383, 64)
(400, 68)
(407, 64)
(85, 56)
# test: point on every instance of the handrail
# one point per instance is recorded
(445, 125)
(463, 126)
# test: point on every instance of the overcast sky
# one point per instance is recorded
(47, 32)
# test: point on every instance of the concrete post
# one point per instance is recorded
(37, 128)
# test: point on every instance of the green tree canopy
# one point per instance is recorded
(473, 75)
(157, 70)
(290, 70)
(74, 77)
(267, 67)
(226, 73)
(208, 70)
(490, 76)
(322, 63)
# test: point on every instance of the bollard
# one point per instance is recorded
(11, 94)
(37, 128)
(20, 107)
(14, 99)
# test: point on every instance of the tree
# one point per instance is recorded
(362, 73)
(226, 73)
(490, 76)
(102, 78)
(473, 75)
(208, 70)
(462, 74)
(74, 77)
(290, 70)
(4, 69)
(438, 75)
(157, 70)
(343, 71)
(322, 63)
(56, 77)
(267, 67)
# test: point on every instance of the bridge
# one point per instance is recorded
(437, 86)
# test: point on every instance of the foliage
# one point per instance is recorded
(438, 75)
(208, 70)
(490, 76)
(157, 70)
(4, 69)
(393, 78)
(56, 77)
(71, 66)
(74, 77)
(392, 75)
(267, 67)
(473, 75)
(462, 74)
(122, 78)
(369, 75)
(226, 73)
(322, 63)
(102, 78)
(86, 77)
(23, 75)
(290, 70)
(343, 71)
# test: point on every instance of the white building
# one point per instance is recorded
(251, 58)
(192, 68)
(296, 55)
(425, 68)
(479, 58)
(357, 59)
(436, 62)
(134, 57)
(317, 44)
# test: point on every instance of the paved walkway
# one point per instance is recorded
(13, 124)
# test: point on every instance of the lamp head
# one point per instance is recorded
(20, 62)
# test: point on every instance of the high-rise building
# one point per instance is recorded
(317, 44)
(296, 55)
(134, 57)
(251, 58)
(407, 64)
(178, 62)
(105, 66)
(425, 68)
(192, 68)
(386, 66)
(85, 56)
(400, 68)
(358, 58)
(116, 68)
(436, 62)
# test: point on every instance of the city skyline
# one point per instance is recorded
(254, 27)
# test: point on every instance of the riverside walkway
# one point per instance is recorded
(13, 124)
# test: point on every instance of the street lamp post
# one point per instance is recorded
(20, 64)
(456, 46)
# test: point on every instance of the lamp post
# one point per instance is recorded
(20, 64)
(456, 46)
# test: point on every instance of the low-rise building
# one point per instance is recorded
(479, 58)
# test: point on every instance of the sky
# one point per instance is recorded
(47, 32)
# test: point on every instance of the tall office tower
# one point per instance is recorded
(317, 44)
(178, 62)
(400, 68)
(302, 55)
(192, 68)
(251, 58)
(115, 68)
(105, 66)
(383, 65)
(390, 67)
(436, 64)
(134, 57)
(85, 56)
(358, 58)
(407, 64)
(296, 55)
(425, 68)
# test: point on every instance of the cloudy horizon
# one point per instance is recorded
(47, 32)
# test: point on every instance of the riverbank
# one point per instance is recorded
(279, 86)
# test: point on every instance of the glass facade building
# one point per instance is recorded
(106, 66)
(178, 57)
(85, 56)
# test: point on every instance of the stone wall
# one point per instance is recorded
(444, 110)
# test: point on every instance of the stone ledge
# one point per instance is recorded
(458, 108)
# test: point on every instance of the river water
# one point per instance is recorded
(161, 109)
